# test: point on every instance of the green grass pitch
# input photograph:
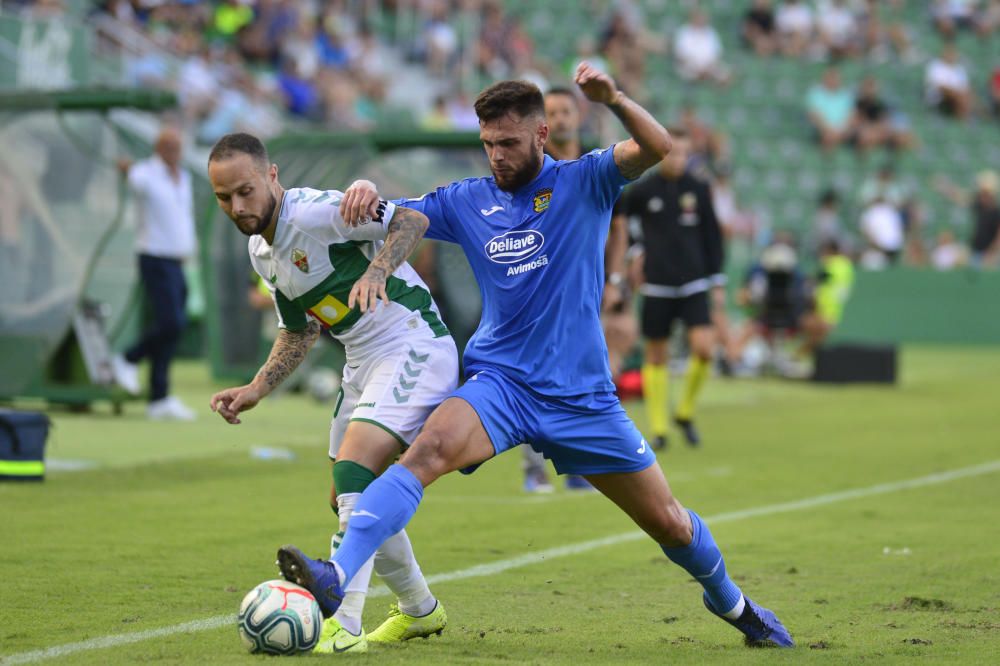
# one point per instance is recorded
(168, 525)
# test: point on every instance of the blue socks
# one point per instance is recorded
(384, 508)
(702, 559)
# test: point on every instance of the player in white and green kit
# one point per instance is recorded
(401, 362)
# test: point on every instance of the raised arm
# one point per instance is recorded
(650, 140)
(405, 230)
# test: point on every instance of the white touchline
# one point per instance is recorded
(205, 624)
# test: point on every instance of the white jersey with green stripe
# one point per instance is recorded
(316, 259)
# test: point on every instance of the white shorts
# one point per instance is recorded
(396, 389)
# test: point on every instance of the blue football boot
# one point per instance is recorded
(318, 576)
(760, 627)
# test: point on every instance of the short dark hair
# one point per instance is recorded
(520, 98)
(678, 132)
(240, 142)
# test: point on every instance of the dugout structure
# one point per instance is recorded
(66, 246)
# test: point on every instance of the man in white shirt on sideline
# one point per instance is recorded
(165, 239)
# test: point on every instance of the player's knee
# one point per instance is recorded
(674, 526)
(429, 456)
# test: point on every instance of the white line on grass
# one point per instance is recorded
(491, 568)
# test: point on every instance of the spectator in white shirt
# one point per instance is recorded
(882, 227)
(794, 20)
(947, 84)
(197, 86)
(949, 16)
(837, 28)
(698, 51)
(165, 239)
(948, 253)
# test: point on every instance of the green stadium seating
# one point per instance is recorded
(779, 170)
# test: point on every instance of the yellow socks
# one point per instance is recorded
(697, 371)
(654, 391)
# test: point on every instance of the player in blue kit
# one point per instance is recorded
(537, 366)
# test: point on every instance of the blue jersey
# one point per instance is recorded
(538, 255)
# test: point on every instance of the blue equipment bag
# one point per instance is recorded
(22, 445)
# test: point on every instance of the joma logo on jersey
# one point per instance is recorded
(514, 246)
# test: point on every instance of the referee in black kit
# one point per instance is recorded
(682, 263)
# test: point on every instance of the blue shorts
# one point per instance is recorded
(584, 435)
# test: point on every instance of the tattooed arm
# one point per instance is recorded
(288, 351)
(405, 230)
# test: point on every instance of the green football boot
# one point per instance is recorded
(334, 639)
(402, 627)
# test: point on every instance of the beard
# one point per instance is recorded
(257, 223)
(509, 181)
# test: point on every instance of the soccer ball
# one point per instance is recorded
(278, 617)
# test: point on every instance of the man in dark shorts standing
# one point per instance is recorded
(682, 264)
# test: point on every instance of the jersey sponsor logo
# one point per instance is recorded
(329, 311)
(514, 246)
(530, 266)
(655, 205)
(542, 199)
(487, 213)
(300, 260)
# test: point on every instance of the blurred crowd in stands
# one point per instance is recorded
(264, 65)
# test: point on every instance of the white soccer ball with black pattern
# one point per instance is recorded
(278, 617)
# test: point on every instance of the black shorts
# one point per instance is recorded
(658, 314)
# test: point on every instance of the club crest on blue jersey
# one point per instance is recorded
(514, 246)
(542, 199)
